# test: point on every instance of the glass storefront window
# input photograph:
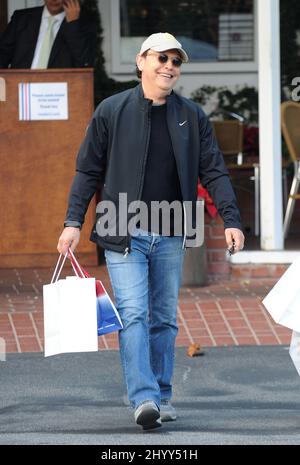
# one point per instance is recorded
(209, 30)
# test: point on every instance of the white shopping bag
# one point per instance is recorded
(295, 350)
(70, 315)
(283, 301)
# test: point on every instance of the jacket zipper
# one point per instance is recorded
(183, 205)
(146, 153)
(184, 225)
(127, 249)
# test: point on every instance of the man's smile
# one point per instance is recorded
(166, 75)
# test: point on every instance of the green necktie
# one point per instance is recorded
(46, 44)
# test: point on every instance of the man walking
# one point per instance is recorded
(153, 145)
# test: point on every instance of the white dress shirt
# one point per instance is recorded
(43, 27)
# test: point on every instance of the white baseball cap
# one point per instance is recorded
(162, 41)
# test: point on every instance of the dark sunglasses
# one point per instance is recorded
(163, 58)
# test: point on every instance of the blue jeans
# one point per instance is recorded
(146, 286)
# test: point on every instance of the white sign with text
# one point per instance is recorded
(40, 101)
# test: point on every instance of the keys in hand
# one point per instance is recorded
(231, 249)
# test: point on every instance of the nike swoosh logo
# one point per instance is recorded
(181, 124)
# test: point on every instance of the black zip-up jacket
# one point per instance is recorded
(114, 153)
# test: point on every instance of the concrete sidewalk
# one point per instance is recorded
(233, 395)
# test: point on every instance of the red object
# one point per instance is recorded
(208, 201)
(251, 141)
(100, 289)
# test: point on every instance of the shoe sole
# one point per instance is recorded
(155, 425)
(168, 418)
(148, 419)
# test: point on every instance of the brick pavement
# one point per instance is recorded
(220, 314)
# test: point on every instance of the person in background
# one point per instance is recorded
(53, 36)
(153, 145)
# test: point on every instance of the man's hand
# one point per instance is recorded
(235, 239)
(72, 10)
(68, 239)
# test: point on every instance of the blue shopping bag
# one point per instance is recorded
(107, 314)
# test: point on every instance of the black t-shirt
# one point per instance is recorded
(161, 180)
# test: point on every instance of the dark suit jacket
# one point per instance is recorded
(74, 45)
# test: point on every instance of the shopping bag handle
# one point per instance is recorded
(84, 274)
(76, 267)
(56, 274)
(57, 265)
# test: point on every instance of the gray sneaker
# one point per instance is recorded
(147, 415)
(167, 411)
